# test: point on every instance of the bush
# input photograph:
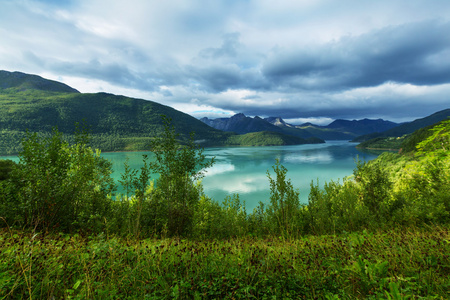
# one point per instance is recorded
(59, 186)
(375, 186)
(336, 208)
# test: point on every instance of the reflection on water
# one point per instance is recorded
(220, 168)
(243, 170)
(314, 157)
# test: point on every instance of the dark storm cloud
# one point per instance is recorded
(415, 53)
(222, 77)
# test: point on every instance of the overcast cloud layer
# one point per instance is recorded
(303, 60)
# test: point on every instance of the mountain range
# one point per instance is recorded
(337, 130)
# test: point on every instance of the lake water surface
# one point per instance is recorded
(243, 170)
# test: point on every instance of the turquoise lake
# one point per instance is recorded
(243, 170)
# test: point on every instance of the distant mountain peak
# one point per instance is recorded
(239, 116)
(273, 119)
(23, 81)
(277, 121)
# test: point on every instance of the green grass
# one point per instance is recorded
(399, 263)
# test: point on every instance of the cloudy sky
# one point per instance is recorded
(302, 60)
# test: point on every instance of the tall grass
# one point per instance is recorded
(398, 264)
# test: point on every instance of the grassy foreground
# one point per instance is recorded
(396, 264)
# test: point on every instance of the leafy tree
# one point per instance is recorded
(284, 205)
(179, 167)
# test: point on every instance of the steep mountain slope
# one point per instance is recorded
(406, 143)
(32, 103)
(337, 130)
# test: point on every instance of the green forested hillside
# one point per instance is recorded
(407, 128)
(406, 143)
(115, 122)
(269, 138)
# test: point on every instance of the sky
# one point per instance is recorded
(304, 60)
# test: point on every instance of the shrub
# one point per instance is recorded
(59, 186)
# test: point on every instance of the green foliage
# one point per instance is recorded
(168, 206)
(178, 169)
(62, 185)
(395, 264)
(336, 208)
(6, 166)
(217, 221)
(375, 187)
(284, 208)
(348, 248)
(392, 189)
(57, 185)
(438, 142)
